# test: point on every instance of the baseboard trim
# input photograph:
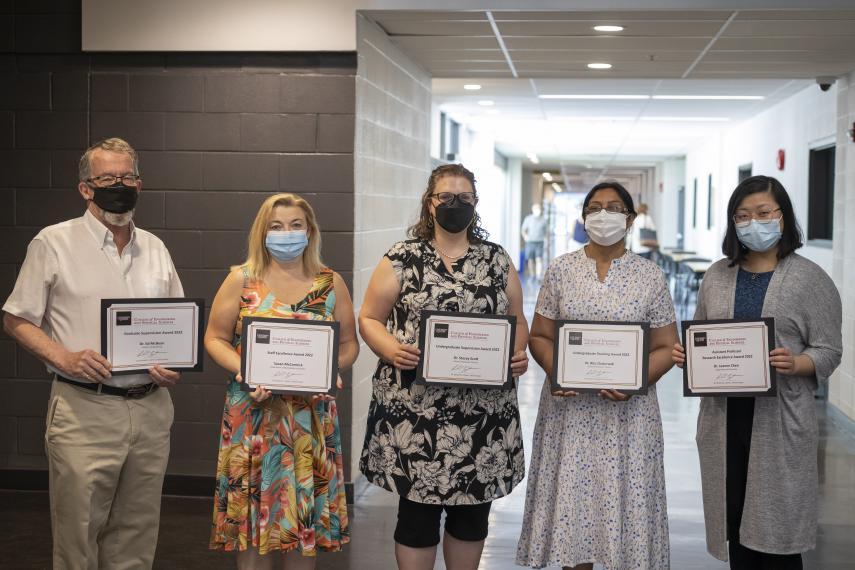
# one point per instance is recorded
(174, 485)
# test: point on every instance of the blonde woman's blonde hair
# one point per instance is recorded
(115, 144)
(258, 258)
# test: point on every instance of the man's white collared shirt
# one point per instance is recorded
(72, 265)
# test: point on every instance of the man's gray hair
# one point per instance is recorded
(84, 169)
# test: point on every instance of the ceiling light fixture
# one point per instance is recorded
(710, 97)
(486, 103)
(472, 87)
(688, 119)
(599, 65)
(556, 187)
(559, 96)
(608, 28)
(547, 176)
(533, 158)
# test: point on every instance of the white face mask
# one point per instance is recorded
(606, 228)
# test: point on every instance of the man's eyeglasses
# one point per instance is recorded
(448, 198)
(110, 180)
(612, 208)
(743, 217)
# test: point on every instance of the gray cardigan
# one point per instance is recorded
(780, 510)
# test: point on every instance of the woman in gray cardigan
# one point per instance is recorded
(759, 456)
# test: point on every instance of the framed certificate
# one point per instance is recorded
(729, 358)
(469, 350)
(137, 334)
(590, 356)
(289, 356)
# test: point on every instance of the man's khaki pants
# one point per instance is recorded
(107, 456)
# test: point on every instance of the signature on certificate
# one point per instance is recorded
(286, 374)
(597, 373)
(725, 376)
(150, 353)
(464, 369)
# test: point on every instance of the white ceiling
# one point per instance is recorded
(610, 129)
(519, 56)
(663, 44)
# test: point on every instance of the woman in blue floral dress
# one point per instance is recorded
(596, 487)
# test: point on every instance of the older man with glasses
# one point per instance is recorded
(107, 437)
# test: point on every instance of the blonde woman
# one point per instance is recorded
(280, 480)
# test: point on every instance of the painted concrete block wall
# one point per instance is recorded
(842, 387)
(392, 165)
(217, 134)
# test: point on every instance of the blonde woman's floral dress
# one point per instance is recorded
(280, 480)
(443, 445)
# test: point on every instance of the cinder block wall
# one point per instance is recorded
(217, 134)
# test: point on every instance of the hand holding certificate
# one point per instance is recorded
(138, 334)
(289, 356)
(470, 350)
(591, 356)
(729, 358)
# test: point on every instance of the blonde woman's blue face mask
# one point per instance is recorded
(286, 245)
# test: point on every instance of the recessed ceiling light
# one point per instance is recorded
(710, 97)
(472, 87)
(599, 66)
(547, 176)
(486, 103)
(594, 96)
(609, 28)
(688, 119)
(556, 187)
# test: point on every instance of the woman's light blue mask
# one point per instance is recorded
(759, 235)
(286, 246)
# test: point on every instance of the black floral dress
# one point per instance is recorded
(443, 445)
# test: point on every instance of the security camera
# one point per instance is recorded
(825, 82)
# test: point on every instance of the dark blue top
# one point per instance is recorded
(748, 304)
(750, 294)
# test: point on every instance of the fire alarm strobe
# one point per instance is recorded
(781, 159)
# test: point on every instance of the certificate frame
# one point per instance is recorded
(249, 323)
(588, 386)
(146, 303)
(423, 374)
(770, 345)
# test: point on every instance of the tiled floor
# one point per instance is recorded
(25, 534)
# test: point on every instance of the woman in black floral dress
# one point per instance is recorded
(441, 448)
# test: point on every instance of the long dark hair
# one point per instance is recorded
(424, 228)
(622, 192)
(791, 238)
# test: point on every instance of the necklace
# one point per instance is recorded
(451, 257)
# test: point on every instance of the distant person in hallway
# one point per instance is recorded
(107, 437)
(642, 239)
(280, 494)
(534, 230)
(758, 456)
(596, 486)
(441, 448)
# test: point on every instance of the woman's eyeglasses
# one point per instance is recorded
(448, 198)
(743, 217)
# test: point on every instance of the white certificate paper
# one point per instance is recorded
(289, 355)
(137, 334)
(466, 349)
(593, 356)
(726, 358)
